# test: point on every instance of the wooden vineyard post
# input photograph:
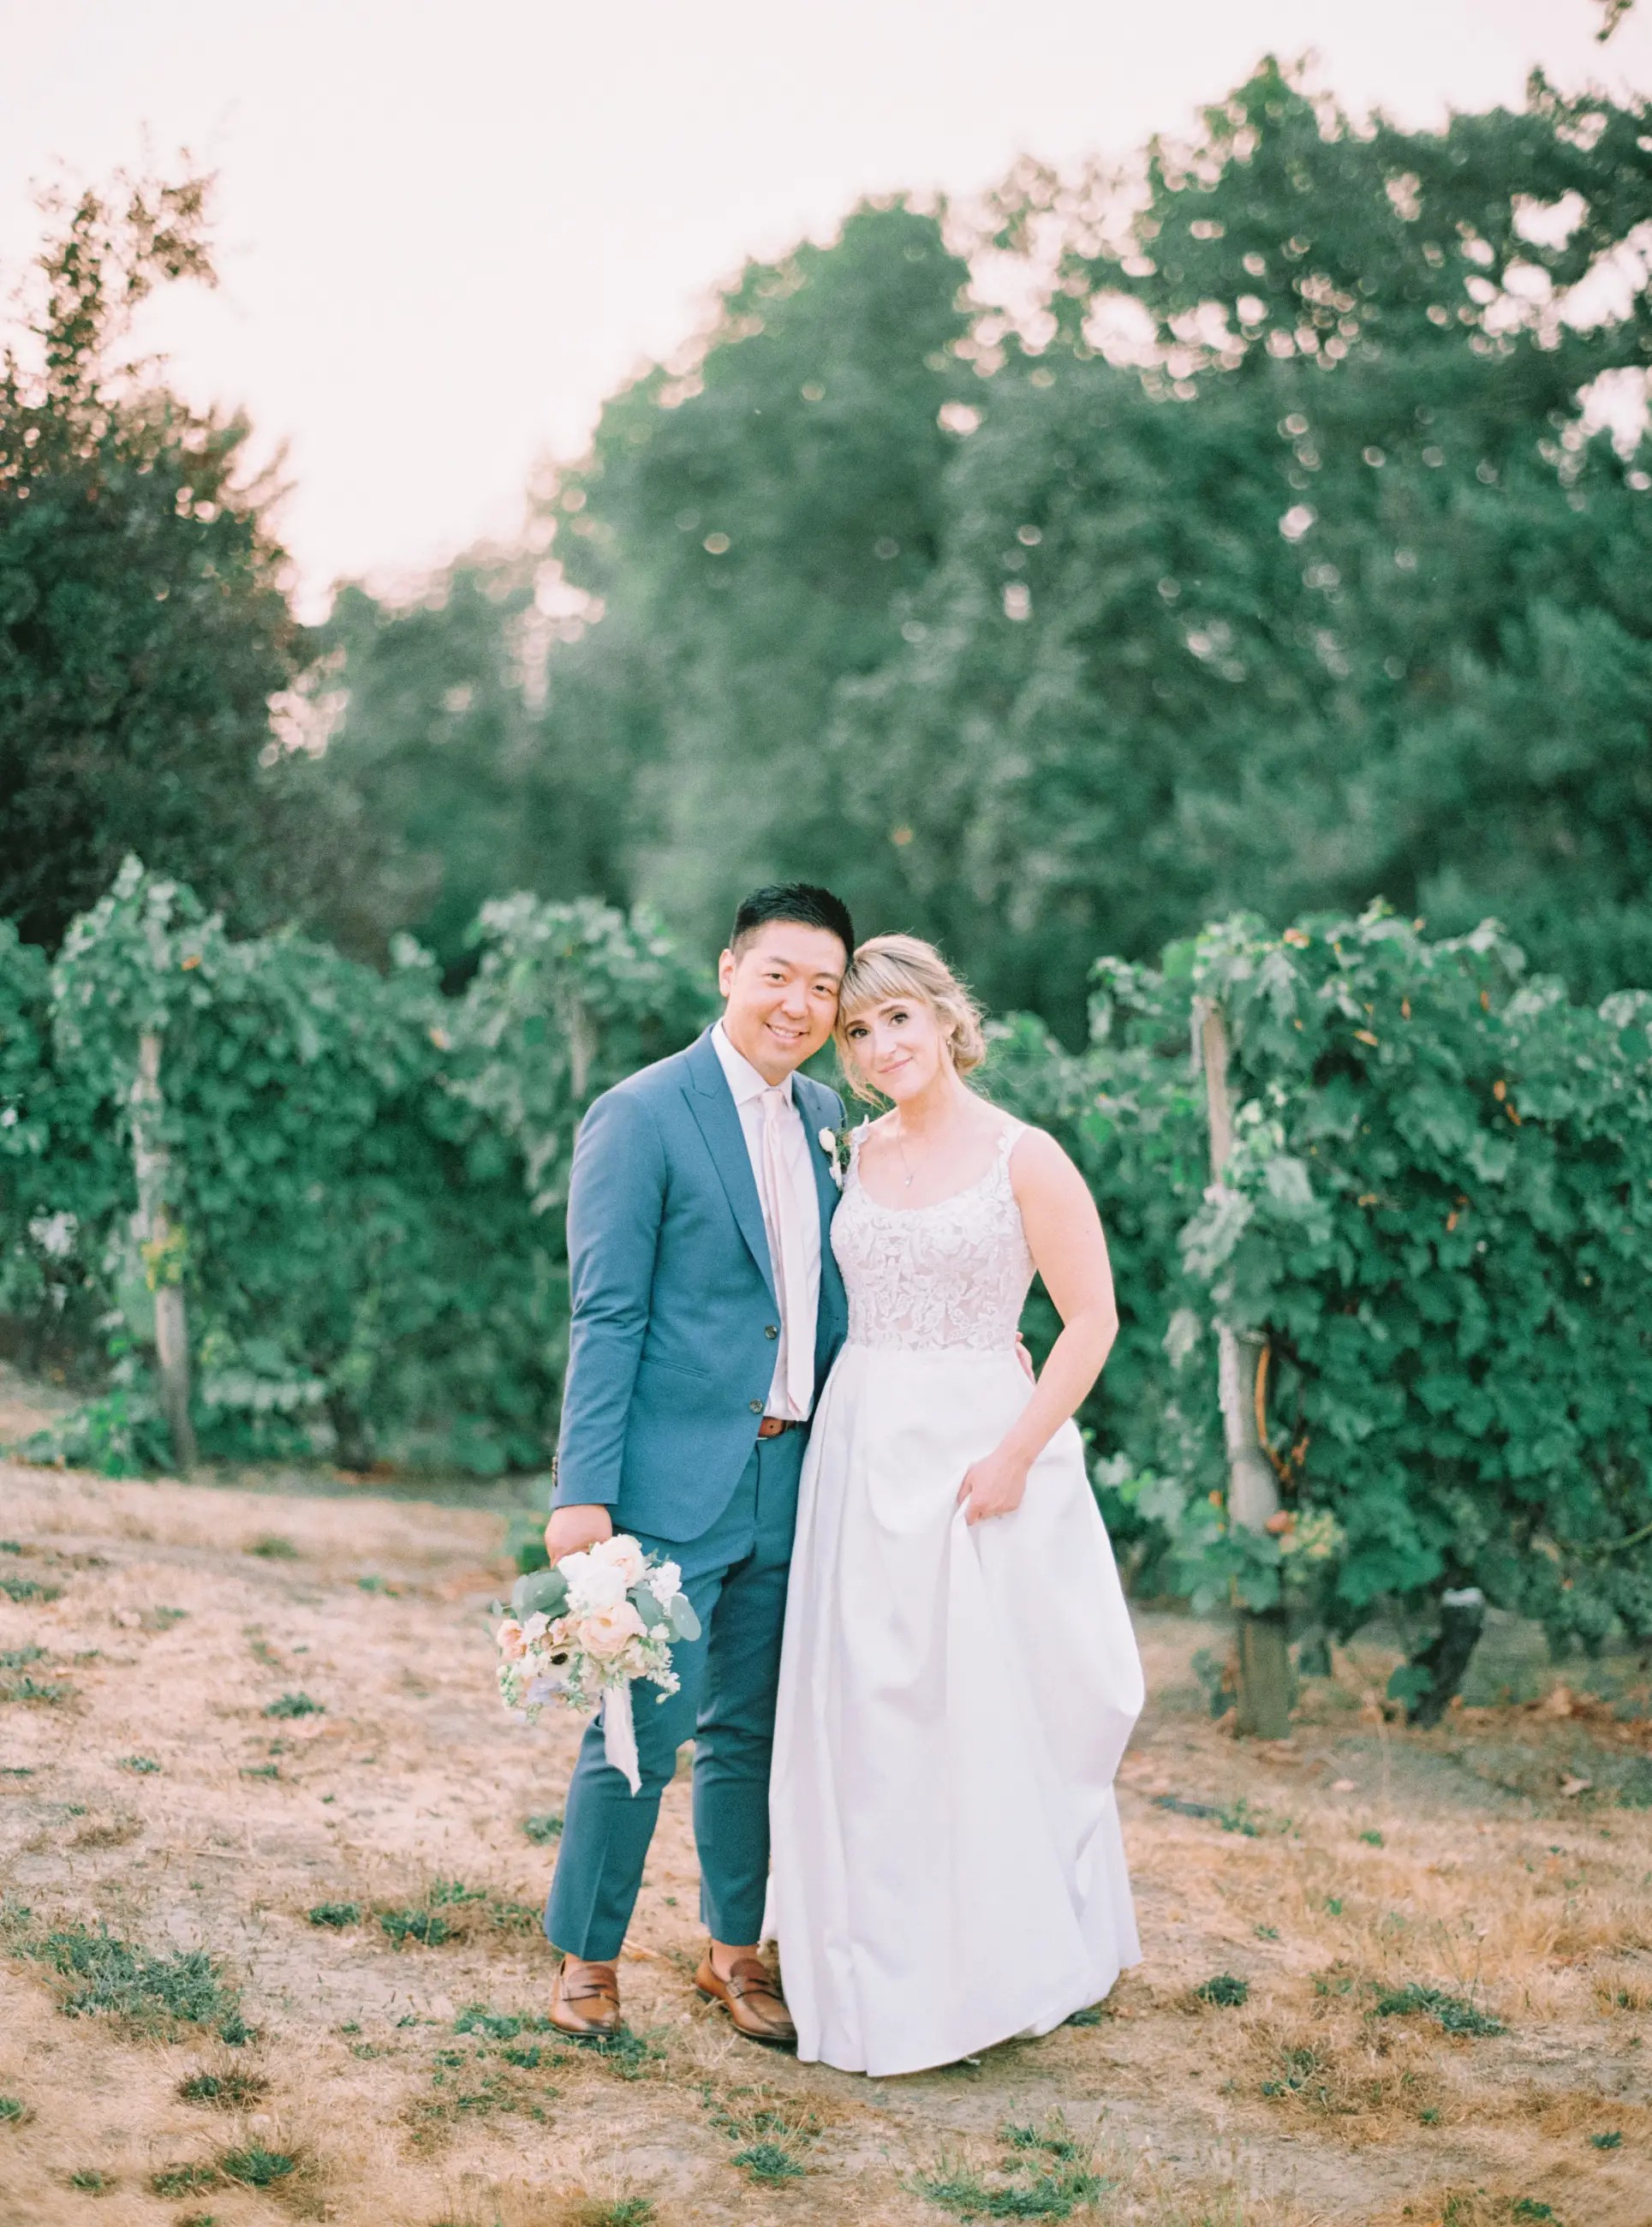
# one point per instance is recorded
(1264, 1682)
(582, 1048)
(151, 1161)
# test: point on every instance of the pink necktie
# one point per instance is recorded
(790, 1250)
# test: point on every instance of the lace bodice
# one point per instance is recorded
(924, 1278)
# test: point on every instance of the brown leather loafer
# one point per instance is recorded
(585, 2000)
(752, 1998)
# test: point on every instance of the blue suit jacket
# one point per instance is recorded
(672, 1349)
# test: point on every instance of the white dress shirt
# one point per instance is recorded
(748, 1086)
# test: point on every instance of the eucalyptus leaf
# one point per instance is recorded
(541, 1593)
(685, 1624)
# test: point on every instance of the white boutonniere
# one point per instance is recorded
(835, 1145)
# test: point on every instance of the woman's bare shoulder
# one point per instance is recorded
(1040, 1162)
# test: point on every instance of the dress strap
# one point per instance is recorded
(1013, 1133)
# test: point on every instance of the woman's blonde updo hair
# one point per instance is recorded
(888, 966)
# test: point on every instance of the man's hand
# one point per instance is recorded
(571, 1530)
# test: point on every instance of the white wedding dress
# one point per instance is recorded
(947, 1868)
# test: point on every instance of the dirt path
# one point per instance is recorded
(149, 1789)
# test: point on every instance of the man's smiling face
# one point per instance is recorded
(781, 987)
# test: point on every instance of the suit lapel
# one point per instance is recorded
(829, 1313)
(711, 1103)
(816, 1113)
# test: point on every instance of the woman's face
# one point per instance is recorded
(898, 1046)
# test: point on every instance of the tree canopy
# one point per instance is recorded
(1281, 544)
(145, 621)
(1270, 551)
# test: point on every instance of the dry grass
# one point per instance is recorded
(1360, 1881)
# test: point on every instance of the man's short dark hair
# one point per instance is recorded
(806, 903)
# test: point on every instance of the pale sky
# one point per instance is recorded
(446, 232)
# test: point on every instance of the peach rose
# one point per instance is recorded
(607, 1632)
(512, 1645)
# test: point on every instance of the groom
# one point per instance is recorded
(707, 1309)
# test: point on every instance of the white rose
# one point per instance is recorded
(622, 1552)
(607, 1632)
(534, 1630)
(665, 1583)
(592, 1585)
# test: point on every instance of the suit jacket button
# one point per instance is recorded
(756, 1407)
(771, 1329)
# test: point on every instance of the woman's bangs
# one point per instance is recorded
(872, 981)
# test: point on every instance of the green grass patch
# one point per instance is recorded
(184, 2179)
(45, 1690)
(260, 1770)
(19, 1658)
(1231, 1816)
(428, 1927)
(1054, 2142)
(12, 2108)
(273, 1547)
(498, 2026)
(544, 1828)
(1452, 2014)
(29, 1589)
(1043, 2173)
(768, 2162)
(91, 2183)
(140, 1765)
(334, 1913)
(770, 2134)
(445, 1893)
(105, 1976)
(1611, 2141)
(1372, 1839)
(232, 2090)
(256, 2168)
(1303, 2072)
(295, 1704)
(630, 2054)
(1049, 2195)
(1224, 1990)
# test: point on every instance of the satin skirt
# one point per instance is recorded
(947, 1866)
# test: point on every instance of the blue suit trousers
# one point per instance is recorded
(735, 1574)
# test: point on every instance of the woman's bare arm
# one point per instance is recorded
(1070, 1254)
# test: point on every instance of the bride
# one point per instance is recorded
(959, 1676)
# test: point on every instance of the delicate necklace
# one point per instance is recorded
(911, 1172)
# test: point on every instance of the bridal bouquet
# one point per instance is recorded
(583, 1633)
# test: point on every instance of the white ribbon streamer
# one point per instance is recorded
(620, 1734)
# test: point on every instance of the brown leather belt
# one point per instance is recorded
(772, 1425)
